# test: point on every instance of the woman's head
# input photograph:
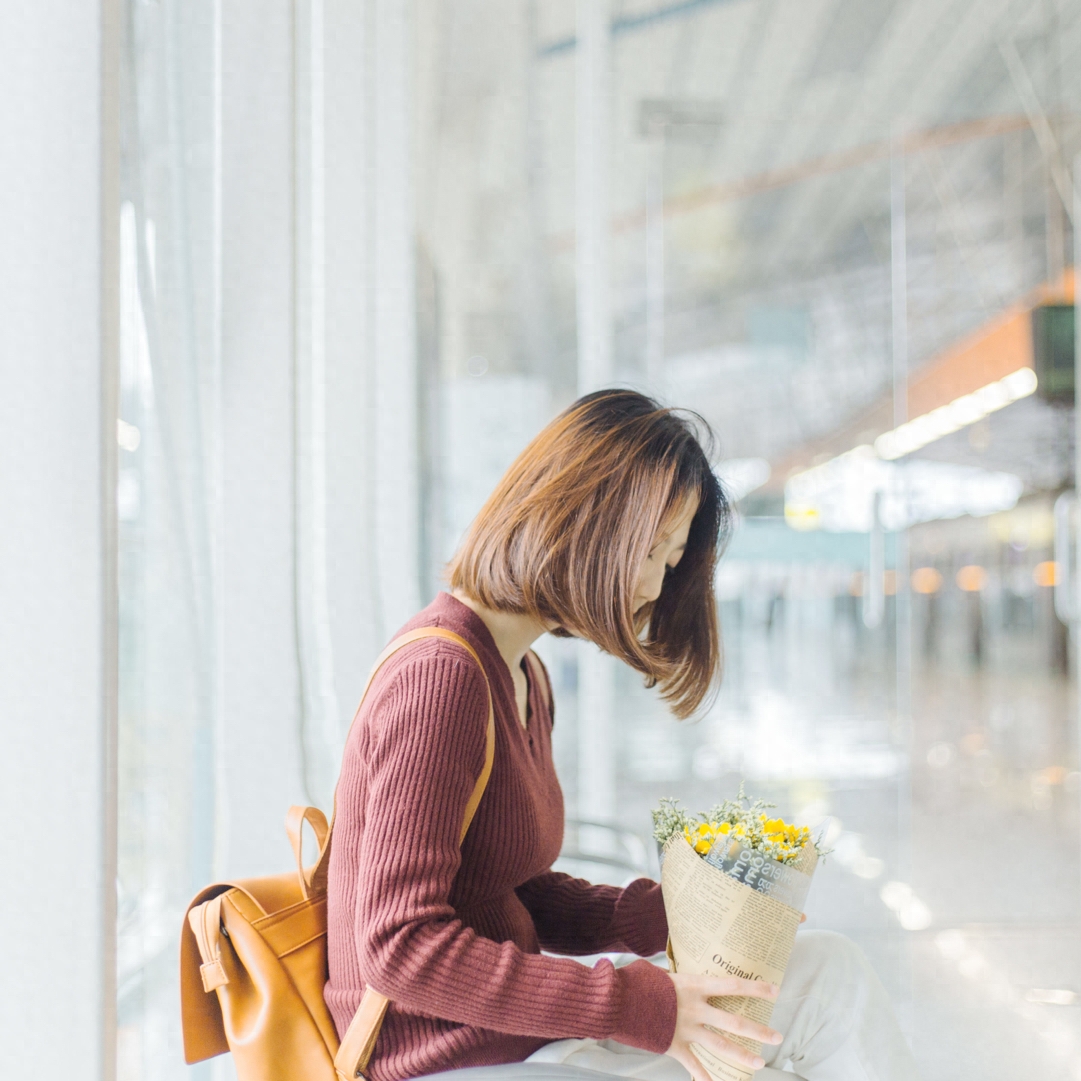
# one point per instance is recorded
(608, 526)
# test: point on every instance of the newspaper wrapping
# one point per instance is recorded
(734, 913)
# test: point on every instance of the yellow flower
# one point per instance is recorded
(701, 840)
(773, 837)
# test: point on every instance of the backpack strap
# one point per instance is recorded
(358, 1043)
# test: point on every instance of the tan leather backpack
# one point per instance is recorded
(261, 945)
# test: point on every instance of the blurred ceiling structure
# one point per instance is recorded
(755, 138)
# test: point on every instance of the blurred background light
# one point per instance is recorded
(838, 496)
(127, 436)
(911, 912)
(968, 409)
(971, 578)
(926, 580)
(1045, 574)
(741, 476)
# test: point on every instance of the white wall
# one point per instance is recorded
(53, 643)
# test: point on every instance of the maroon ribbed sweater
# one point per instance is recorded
(452, 937)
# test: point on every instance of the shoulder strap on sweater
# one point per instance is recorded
(358, 1043)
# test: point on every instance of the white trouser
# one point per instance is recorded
(833, 1012)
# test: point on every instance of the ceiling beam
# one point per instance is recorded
(625, 24)
(772, 179)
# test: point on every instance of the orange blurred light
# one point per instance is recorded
(1046, 573)
(855, 586)
(926, 580)
(971, 578)
(889, 583)
(972, 742)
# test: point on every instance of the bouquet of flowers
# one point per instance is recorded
(734, 882)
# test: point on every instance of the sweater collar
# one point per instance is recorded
(463, 618)
(446, 604)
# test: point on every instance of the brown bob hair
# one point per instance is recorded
(564, 534)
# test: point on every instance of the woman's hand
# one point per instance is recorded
(693, 1013)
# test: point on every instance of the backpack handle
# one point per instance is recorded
(294, 826)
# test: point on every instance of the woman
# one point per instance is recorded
(607, 527)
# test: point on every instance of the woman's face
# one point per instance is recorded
(666, 552)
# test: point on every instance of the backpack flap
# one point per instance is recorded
(200, 1013)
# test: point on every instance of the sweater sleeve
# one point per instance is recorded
(575, 917)
(426, 752)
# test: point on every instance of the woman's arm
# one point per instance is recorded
(425, 753)
(574, 917)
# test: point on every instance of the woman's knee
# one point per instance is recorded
(826, 964)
